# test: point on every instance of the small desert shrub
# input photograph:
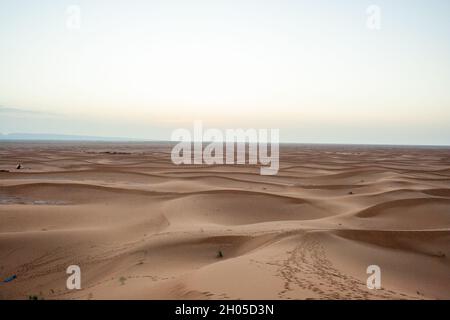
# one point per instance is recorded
(122, 280)
(219, 254)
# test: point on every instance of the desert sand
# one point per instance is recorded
(140, 227)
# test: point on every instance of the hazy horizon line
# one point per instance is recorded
(50, 137)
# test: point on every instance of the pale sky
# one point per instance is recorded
(312, 69)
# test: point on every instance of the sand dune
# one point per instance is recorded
(142, 228)
(417, 213)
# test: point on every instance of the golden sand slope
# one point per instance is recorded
(142, 228)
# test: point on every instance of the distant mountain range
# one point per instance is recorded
(59, 137)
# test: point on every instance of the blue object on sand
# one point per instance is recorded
(9, 279)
